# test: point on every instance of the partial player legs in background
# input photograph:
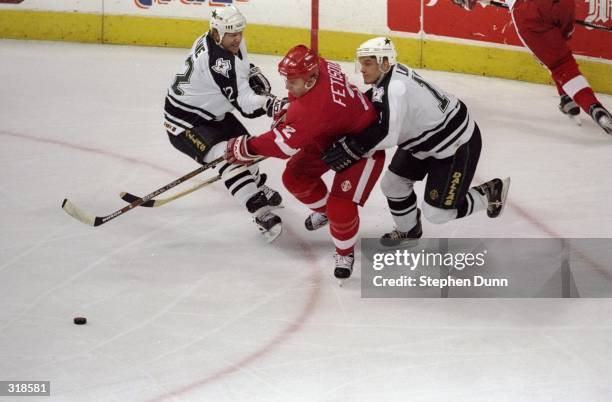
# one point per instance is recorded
(567, 105)
(544, 27)
(602, 117)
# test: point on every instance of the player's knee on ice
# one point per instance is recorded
(438, 215)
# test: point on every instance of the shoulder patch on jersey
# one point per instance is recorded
(222, 67)
(377, 94)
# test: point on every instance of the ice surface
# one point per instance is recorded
(187, 302)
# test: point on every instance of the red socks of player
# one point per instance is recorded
(344, 223)
(568, 79)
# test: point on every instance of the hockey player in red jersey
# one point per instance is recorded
(322, 107)
(544, 27)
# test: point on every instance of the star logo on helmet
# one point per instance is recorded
(214, 14)
(387, 41)
(222, 67)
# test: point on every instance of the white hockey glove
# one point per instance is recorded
(237, 151)
(276, 107)
(258, 82)
(467, 4)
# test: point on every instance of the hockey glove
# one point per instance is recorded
(276, 107)
(467, 4)
(342, 154)
(237, 151)
(258, 82)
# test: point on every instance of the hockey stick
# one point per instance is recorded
(162, 201)
(594, 26)
(92, 220)
(129, 197)
(493, 3)
(579, 22)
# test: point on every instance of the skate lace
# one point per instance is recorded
(344, 261)
(393, 235)
(268, 192)
(266, 216)
(495, 204)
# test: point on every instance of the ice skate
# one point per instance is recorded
(568, 107)
(398, 238)
(602, 117)
(270, 225)
(273, 196)
(344, 267)
(316, 220)
(496, 192)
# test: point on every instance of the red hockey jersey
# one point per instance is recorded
(331, 109)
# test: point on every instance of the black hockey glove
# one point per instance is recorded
(258, 82)
(343, 153)
(276, 107)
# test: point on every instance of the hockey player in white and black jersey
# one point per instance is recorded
(217, 79)
(435, 137)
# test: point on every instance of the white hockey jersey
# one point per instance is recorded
(213, 83)
(418, 116)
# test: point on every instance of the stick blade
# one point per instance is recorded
(78, 214)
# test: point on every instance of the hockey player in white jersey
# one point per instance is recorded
(217, 79)
(435, 137)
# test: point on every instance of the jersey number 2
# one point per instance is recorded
(183, 78)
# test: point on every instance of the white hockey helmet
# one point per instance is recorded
(380, 48)
(227, 19)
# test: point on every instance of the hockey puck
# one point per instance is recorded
(80, 320)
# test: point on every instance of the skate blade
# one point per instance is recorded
(506, 182)
(576, 119)
(273, 233)
(406, 243)
(342, 280)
